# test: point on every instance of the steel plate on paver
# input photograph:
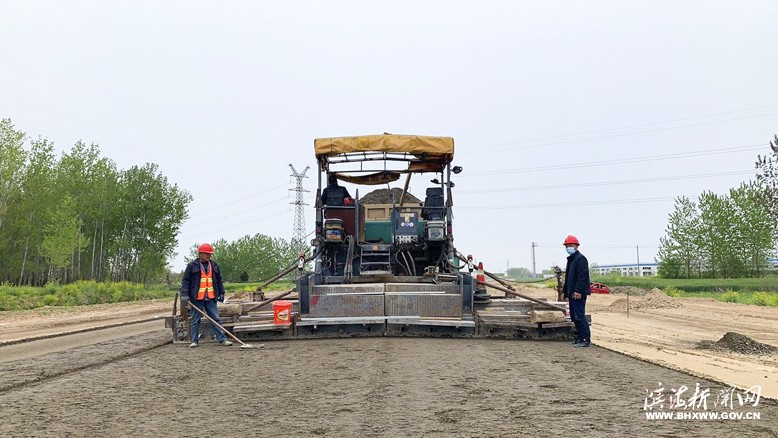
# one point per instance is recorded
(347, 305)
(340, 289)
(424, 304)
(423, 288)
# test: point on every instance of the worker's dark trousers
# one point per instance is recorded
(210, 309)
(578, 315)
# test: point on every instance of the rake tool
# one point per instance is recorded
(242, 344)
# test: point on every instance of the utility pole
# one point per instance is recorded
(637, 248)
(534, 274)
(507, 266)
(298, 230)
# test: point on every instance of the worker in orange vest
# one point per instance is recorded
(203, 284)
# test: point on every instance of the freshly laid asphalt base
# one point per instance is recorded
(393, 387)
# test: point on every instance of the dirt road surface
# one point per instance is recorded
(391, 387)
(136, 383)
(51, 321)
(670, 336)
(55, 344)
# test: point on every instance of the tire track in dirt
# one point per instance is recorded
(52, 320)
(19, 374)
(74, 332)
(66, 342)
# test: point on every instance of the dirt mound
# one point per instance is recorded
(656, 299)
(737, 343)
(632, 290)
(240, 295)
(384, 196)
(621, 305)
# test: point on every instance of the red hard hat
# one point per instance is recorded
(206, 248)
(571, 240)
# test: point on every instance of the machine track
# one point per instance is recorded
(37, 361)
(73, 332)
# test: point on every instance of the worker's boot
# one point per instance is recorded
(226, 343)
(193, 345)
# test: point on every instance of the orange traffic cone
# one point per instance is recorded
(480, 278)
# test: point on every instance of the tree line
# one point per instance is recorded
(725, 236)
(251, 258)
(78, 217)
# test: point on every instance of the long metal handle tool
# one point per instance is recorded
(242, 344)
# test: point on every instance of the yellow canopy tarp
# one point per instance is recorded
(435, 148)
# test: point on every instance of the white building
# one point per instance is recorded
(628, 270)
(646, 269)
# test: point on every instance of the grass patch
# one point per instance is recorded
(77, 294)
(730, 297)
(769, 299)
(673, 292)
(729, 290)
(767, 284)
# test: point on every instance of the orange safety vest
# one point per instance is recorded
(206, 284)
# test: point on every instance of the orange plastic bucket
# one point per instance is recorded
(282, 312)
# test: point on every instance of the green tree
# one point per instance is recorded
(678, 253)
(126, 222)
(63, 238)
(259, 256)
(754, 238)
(31, 213)
(518, 273)
(728, 235)
(767, 166)
(12, 161)
(153, 211)
(715, 233)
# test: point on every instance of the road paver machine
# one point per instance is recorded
(386, 264)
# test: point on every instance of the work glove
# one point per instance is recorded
(221, 298)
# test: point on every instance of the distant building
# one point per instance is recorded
(646, 269)
(628, 270)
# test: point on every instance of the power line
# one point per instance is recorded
(544, 245)
(619, 161)
(622, 127)
(537, 169)
(481, 148)
(606, 183)
(248, 196)
(255, 220)
(235, 213)
(569, 204)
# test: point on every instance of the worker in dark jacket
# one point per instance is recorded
(334, 194)
(203, 284)
(577, 288)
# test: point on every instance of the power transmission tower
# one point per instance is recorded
(298, 231)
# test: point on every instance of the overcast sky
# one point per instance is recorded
(569, 117)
